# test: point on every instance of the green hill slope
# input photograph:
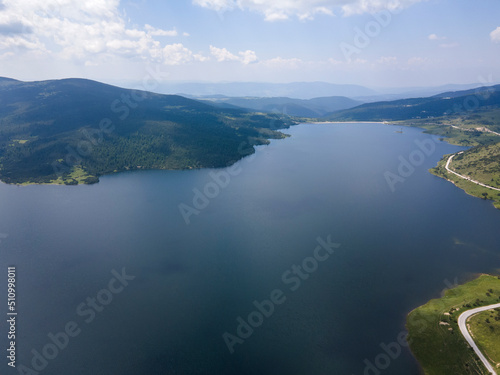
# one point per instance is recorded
(317, 107)
(433, 332)
(76, 130)
(447, 104)
(481, 164)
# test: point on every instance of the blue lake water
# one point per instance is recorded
(194, 283)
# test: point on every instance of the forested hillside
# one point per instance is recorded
(76, 130)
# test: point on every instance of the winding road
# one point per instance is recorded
(462, 324)
(483, 129)
(465, 177)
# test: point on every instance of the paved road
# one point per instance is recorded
(462, 324)
(483, 129)
(465, 177)
(489, 131)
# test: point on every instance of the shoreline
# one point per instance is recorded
(55, 183)
(434, 336)
(467, 186)
(418, 126)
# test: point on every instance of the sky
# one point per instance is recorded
(374, 43)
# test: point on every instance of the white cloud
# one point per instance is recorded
(248, 57)
(387, 60)
(495, 35)
(222, 54)
(217, 5)
(435, 37)
(6, 55)
(87, 31)
(273, 15)
(18, 43)
(159, 32)
(305, 9)
(177, 54)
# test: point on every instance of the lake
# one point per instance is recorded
(302, 259)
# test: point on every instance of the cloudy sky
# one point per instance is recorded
(376, 43)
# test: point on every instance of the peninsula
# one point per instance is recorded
(434, 334)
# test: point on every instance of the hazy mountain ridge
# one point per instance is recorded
(417, 108)
(316, 107)
(297, 90)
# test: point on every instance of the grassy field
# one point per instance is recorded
(485, 328)
(75, 177)
(481, 164)
(489, 117)
(485, 118)
(467, 135)
(434, 336)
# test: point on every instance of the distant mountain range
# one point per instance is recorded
(75, 130)
(387, 94)
(299, 90)
(296, 90)
(317, 107)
